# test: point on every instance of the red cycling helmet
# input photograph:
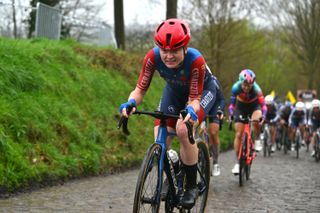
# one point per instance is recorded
(172, 34)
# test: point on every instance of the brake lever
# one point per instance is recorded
(189, 126)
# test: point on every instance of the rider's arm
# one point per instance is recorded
(260, 97)
(136, 96)
(291, 116)
(234, 92)
(197, 74)
(145, 77)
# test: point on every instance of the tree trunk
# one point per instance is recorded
(14, 20)
(172, 9)
(119, 23)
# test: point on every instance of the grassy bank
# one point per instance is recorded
(59, 110)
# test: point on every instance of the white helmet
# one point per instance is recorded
(308, 105)
(268, 99)
(299, 106)
(315, 103)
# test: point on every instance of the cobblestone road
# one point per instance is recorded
(278, 184)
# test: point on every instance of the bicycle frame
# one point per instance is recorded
(161, 140)
(248, 131)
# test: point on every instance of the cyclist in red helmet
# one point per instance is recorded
(190, 86)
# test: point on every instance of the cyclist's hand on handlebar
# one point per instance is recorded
(191, 115)
(128, 108)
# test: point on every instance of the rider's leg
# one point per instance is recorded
(313, 143)
(214, 142)
(256, 115)
(189, 158)
(239, 127)
(273, 137)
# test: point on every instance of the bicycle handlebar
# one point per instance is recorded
(123, 122)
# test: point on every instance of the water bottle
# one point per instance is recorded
(174, 157)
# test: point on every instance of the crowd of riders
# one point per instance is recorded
(288, 116)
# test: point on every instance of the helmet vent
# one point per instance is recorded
(171, 22)
(178, 44)
(168, 39)
(160, 26)
(184, 29)
(159, 43)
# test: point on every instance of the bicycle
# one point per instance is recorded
(246, 150)
(266, 136)
(284, 139)
(157, 162)
(317, 145)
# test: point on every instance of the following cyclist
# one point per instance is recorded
(272, 117)
(189, 86)
(314, 121)
(297, 119)
(284, 113)
(246, 100)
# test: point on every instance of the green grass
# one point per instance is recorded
(59, 106)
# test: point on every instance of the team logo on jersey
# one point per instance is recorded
(171, 109)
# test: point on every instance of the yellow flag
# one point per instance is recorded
(291, 97)
(273, 93)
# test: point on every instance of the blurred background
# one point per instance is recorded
(277, 39)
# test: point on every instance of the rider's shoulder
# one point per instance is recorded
(236, 87)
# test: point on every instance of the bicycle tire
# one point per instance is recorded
(265, 144)
(284, 141)
(242, 160)
(204, 169)
(151, 195)
(248, 166)
(297, 145)
(317, 148)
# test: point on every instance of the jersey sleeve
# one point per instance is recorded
(147, 71)
(198, 69)
(260, 98)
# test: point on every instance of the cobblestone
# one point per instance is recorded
(280, 183)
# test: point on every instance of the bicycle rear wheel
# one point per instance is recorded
(298, 141)
(203, 177)
(147, 194)
(265, 143)
(284, 140)
(317, 148)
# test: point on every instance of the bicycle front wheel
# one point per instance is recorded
(203, 177)
(147, 194)
(242, 160)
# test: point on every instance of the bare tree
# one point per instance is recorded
(172, 8)
(223, 36)
(119, 23)
(300, 20)
(14, 19)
